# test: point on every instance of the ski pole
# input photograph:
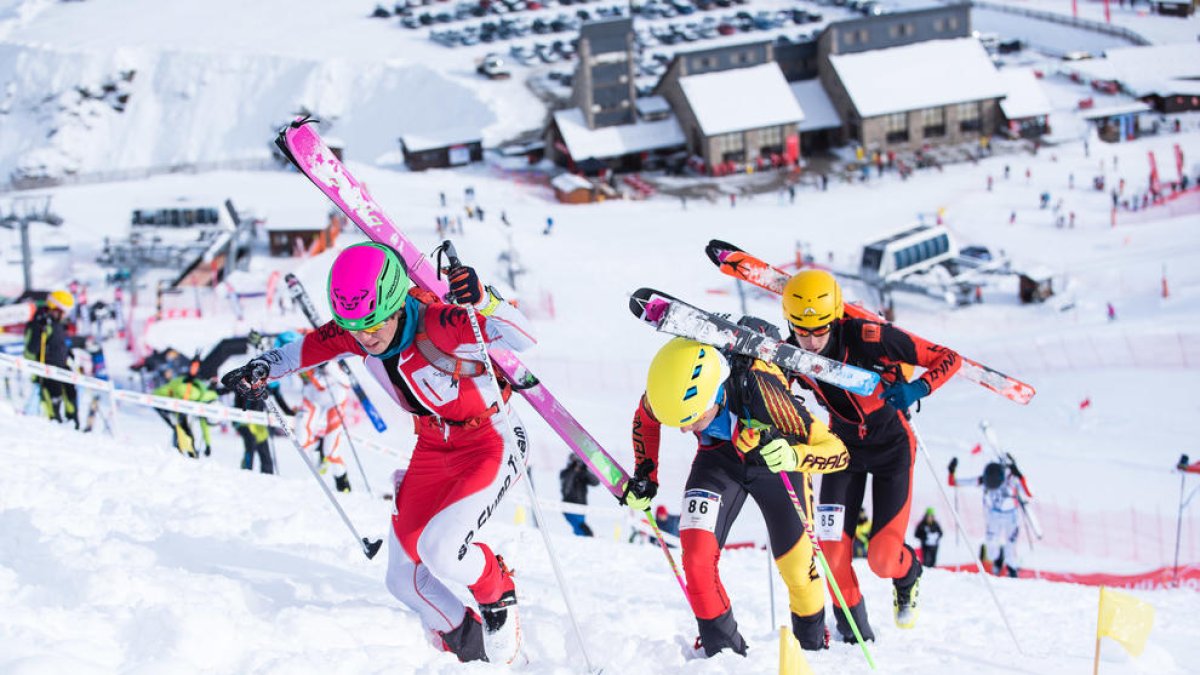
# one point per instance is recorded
(346, 433)
(971, 548)
(837, 591)
(369, 548)
(512, 436)
(667, 552)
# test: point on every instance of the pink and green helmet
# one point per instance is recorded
(367, 284)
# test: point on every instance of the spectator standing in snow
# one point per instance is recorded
(929, 533)
(549, 225)
(575, 479)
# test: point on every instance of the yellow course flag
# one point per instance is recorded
(791, 659)
(1125, 619)
(519, 515)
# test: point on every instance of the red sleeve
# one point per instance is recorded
(647, 433)
(940, 362)
(327, 343)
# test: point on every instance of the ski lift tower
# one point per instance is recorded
(20, 213)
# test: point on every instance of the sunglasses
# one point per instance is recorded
(820, 331)
(372, 329)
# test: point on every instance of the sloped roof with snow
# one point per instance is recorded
(442, 138)
(1156, 69)
(741, 99)
(1025, 96)
(819, 112)
(622, 139)
(917, 76)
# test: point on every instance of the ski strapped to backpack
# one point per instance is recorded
(738, 264)
(671, 315)
(298, 294)
(302, 145)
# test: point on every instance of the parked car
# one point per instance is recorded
(493, 67)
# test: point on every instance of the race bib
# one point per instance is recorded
(830, 519)
(700, 509)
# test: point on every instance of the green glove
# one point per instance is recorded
(779, 456)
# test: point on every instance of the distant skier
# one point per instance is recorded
(929, 533)
(748, 426)
(876, 431)
(187, 387)
(575, 479)
(423, 352)
(1003, 486)
(47, 341)
(324, 399)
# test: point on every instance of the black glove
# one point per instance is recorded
(255, 338)
(1012, 467)
(953, 464)
(1183, 462)
(250, 380)
(640, 490)
(464, 286)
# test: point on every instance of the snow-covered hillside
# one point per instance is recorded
(120, 556)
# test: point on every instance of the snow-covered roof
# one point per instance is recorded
(1110, 111)
(741, 99)
(1153, 68)
(440, 138)
(1025, 96)
(819, 112)
(622, 139)
(652, 105)
(567, 182)
(917, 76)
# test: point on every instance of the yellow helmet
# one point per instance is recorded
(61, 300)
(683, 382)
(812, 299)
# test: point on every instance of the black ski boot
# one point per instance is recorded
(859, 612)
(720, 633)
(810, 631)
(466, 641)
(342, 483)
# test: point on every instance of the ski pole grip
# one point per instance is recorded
(451, 254)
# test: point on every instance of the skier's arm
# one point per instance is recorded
(940, 362)
(824, 452)
(647, 435)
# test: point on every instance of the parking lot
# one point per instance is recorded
(543, 32)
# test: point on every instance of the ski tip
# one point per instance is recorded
(717, 250)
(370, 548)
(649, 305)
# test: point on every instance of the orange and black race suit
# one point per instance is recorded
(880, 442)
(755, 407)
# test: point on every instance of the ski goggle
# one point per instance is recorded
(819, 331)
(372, 329)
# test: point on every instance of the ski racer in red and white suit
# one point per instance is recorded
(462, 464)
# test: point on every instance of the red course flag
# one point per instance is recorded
(1085, 403)
(977, 449)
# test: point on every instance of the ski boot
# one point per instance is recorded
(810, 631)
(342, 483)
(904, 601)
(718, 634)
(859, 612)
(501, 623)
(465, 641)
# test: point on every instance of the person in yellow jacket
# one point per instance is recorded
(189, 388)
(749, 427)
(46, 341)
